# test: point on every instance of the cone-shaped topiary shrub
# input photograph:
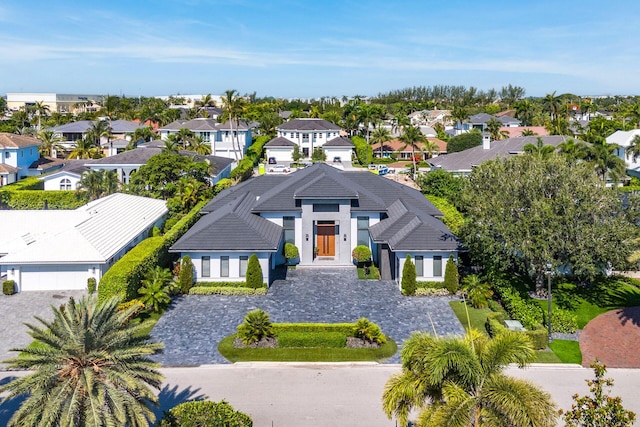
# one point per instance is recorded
(254, 273)
(409, 277)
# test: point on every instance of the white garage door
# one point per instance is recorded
(54, 277)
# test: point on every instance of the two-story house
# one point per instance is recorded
(308, 134)
(116, 142)
(17, 154)
(228, 139)
(326, 213)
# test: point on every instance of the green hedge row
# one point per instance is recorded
(526, 311)
(29, 193)
(344, 328)
(429, 284)
(242, 284)
(124, 278)
(495, 326)
(304, 339)
(244, 169)
(452, 218)
(431, 292)
(226, 290)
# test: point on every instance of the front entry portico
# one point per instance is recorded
(326, 238)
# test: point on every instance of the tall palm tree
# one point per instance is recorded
(380, 136)
(141, 134)
(429, 148)
(524, 111)
(50, 143)
(232, 106)
(100, 129)
(40, 108)
(576, 150)
(196, 144)
(459, 114)
(90, 367)
(458, 382)
(411, 135)
(553, 104)
(606, 162)
(493, 126)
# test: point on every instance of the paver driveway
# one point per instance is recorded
(192, 328)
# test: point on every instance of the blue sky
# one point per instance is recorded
(313, 48)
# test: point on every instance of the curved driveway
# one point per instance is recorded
(194, 325)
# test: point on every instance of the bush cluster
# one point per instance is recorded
(9, 287)
(495, 326)
(527, 312)
(291, 251)
(361, 253)
(563, 321)
(91, 285)
(124, 278)
(204, 413)
(364, 151)
(452, 218)
(37, 199)
(367, 330)
(226, 290)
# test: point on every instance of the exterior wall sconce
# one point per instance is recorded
(13, 271)
(306, 237)
(93, 270)
(345, 237)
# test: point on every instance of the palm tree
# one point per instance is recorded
(400, 121)
(524, 111)
(459, 382)
(493, 126)
(411, 135)
(50, 143)
(144, 134)
(85, 149)
(606, 161)
(573, 149)
(99, 129)
(634, 148)
(478, 291)
(156, 287)
(459, 115)
(528, 132)
(99, 183)
(380, 136)
(430, 148)
(540, 149)
(553, 104)
(90, 367)
(40, 108)
(232, 105)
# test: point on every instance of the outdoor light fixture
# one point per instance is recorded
(306, 237)
(345, 237)
(12, 271)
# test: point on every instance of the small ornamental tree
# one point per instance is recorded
(254, 273)
(451, 278)
(205, 413)
(296, 155)
(185, 277)
(408, 277)
(361, 253)
(598, 410)
(318, 155)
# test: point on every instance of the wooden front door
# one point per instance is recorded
(326, 240)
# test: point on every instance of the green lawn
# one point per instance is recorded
(567, 351)
(373, 273)
(591, 301)
(306, 354)
(546, 356)
(477, 316)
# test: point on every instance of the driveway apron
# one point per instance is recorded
(194, 325)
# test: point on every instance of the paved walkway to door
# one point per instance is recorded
(194, 325)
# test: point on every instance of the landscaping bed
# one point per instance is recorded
(308, 343)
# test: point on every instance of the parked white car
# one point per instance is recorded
(279, 168)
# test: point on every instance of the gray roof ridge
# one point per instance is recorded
(404, 231)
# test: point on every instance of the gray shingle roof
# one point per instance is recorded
(465, 160)
(232, 227)
(410, 224)
(280, 142)
(308, 125)
(203, 125)
(82, 126)
(480, 118)
(339, 142)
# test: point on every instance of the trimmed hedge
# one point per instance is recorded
(539, 338)
(124, 278)
(344, 328)
(9, 287)
(226, 290)
(495, 326)
(222, 284)
(204, 413)
(429, 284)
(431, 292)
(35, 199)
(563, 321)
(526, 311)
(303, 339)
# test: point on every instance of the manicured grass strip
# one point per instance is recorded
(374, 274)
(567, 351)
(233, 354)
(546, 356)
(477, 316)
(303, 339)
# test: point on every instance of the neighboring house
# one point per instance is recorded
(403, 151)
(18, 153)
(623, 139)
(222, 137)
(463, 162)
(514, 131)
(58, 102)
(57, 249)
(326, 213)
(121, 130)
(479, 121)
(430, 117)
(308, 133)
(126, 163)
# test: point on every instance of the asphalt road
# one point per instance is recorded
(330, 395)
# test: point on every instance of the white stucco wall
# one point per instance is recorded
(53, 183)
(282, 154)
(345, 153)
(52, 277)
(234, 265)
(428, 264)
